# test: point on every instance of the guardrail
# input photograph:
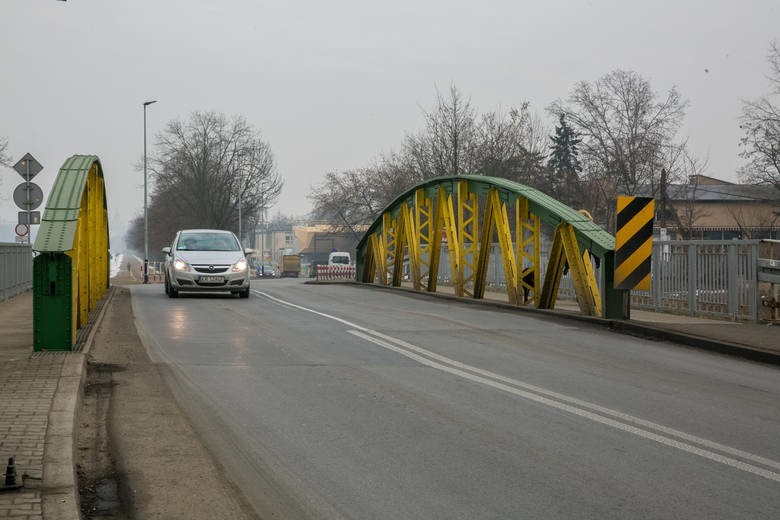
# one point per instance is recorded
(332, 272)
(16, 263)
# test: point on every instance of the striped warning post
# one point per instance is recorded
(634, 242)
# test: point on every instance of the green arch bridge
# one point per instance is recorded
(470, 213)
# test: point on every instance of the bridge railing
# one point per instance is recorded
(704, 278)
(16, 270)
(699, 278)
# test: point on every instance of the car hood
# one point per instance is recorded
(210, 257)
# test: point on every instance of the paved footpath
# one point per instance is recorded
(40, 392)
(39, 397)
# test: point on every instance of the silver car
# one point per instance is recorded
(209, 260)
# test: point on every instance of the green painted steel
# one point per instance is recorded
(52, 302)
(60, 219)
(70, 272)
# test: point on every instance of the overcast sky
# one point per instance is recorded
(332, 84)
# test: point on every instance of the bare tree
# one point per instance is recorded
(5, 159)
(623, 125)
(356, 197)
(510, 144)
(455, 141)
(761, 123)
(624, 128)
(349, 195)
(446, 146)
(748, 219)
(204, 168)
(685, 209)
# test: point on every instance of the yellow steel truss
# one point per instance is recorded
(528, 231)
(411, 238)
(89, 255)
(565, 250)
(388, 246)
(415, 236)
(424, 217)
(468, 223)
(495, 219)
(435, 238)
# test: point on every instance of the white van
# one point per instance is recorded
(339, 258)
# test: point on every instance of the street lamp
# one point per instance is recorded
(146, 221)
(240, 188)
(237, 172)
(263, 223)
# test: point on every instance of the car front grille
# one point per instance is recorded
(211, 269)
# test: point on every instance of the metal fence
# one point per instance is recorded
(16, 262)
(715, 278)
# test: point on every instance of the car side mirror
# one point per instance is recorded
(248, 251)
(166, 250)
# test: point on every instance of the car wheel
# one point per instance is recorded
(167, 286)
(173, 292)
(244, 294)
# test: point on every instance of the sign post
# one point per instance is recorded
(28, 195)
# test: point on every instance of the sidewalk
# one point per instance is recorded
(39, 397)
(40, 392)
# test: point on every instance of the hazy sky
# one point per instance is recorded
(332, 84)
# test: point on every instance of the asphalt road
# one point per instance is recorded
(345, 402)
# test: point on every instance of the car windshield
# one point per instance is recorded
(207, 242)
(340, 260)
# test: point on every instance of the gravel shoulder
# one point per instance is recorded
(138, 454)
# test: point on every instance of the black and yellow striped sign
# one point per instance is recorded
(634, 242)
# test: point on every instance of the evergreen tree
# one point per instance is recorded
(564, 165)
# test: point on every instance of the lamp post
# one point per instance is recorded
(146, 220)
(237, 172)
(263, 224)
(240, 238)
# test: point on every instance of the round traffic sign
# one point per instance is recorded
(22, 229)
(28, 196)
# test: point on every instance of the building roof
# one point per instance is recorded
(702, 180)
(718, 192)
(725, 192)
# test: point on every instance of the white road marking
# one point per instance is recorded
(558, 401)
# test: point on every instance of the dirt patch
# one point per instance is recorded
(98, 479)
(138, 455)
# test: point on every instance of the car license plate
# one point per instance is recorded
(211, 279)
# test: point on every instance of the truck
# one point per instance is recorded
(291, 266)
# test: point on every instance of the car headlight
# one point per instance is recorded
(181, 265)
(239, 266)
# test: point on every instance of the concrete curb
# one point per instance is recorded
(621, 326)
(59, 490)
(693, 340)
